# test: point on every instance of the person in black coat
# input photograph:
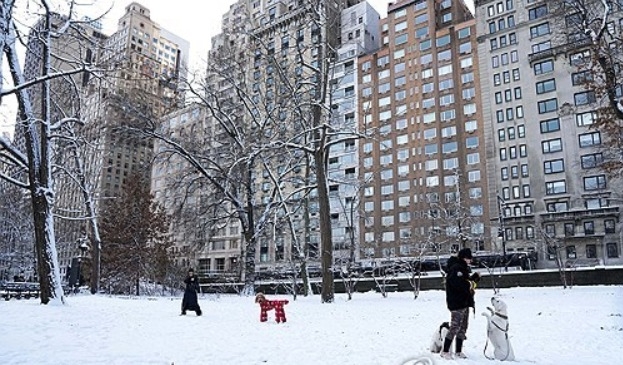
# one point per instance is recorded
(459, 298)
(189, 302)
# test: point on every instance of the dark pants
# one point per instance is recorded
(458, 324)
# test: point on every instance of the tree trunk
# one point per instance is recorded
(326, 241)
(36, 134)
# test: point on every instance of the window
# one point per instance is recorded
(538, 12)
(501, 135)
(585, 119)
(543, 67)
(471, 142)
(609, 226)
(585, 97)
(552, 145)
(554, 166)
(443, 40)
(421, 18)
(571, 254)
(473, 158)
(591, 161)
(569, 229)
(539, 30)
(591, 251)
(581, 78)
(579, 58)
(550, 125)
(547, 106)
(524, 170)
(473, 176)
(526, 194)
(401, 39)
(595, 182)
(557, 207)
(421, 32)
(555, 187)
(589, 139)
(545, 86)
(612, 250)
(595, 203)
(541, 47)
(589, 227)
(463, 33)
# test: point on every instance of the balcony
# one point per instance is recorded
(555, 51)
(577, 215)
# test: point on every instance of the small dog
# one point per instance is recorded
(497, 331)
(439, 336)
(267, 305)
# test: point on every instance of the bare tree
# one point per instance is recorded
(38, 121)
(590, 37)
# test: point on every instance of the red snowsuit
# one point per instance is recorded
(277, 305)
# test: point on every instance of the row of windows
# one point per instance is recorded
(507, 95)
(589, 203)
(612, 251)
(514, 172)
(511, 133)
(511, 152)
(587, 227)
(590, 183)
(500, 8)
(582, 119)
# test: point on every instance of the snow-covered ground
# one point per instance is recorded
(582, 325)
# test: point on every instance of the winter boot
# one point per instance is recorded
(445, 353)
(459, 349)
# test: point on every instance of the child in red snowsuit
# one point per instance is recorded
(266, 305)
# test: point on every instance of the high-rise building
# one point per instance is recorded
(74, 49)
(261, 72)
(144, 65)
(545, 181)
(360, 35)
(424, 171)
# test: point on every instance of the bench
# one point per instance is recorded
(19, 290)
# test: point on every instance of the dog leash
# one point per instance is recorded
(508, 346)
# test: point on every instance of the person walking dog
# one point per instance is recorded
(459, 298)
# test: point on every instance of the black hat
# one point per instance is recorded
(465, 253)
(191, 270)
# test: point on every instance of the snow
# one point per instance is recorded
(581, 325)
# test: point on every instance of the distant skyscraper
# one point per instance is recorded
(145, 65)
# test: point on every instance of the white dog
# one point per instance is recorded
(436, 342)
(497, 331)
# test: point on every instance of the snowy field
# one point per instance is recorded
(582, 325)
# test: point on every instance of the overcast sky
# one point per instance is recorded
(194, 20)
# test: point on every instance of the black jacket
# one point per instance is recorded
(458, 286)
(189, 302)
(192, 284)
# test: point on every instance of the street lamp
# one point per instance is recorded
(502, 232)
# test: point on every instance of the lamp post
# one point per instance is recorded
(502, 232)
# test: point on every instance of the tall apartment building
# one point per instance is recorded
(270, 46)
(424, 174)
(76, 46)
(546, 186)
(360, 35)
(145, 65)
